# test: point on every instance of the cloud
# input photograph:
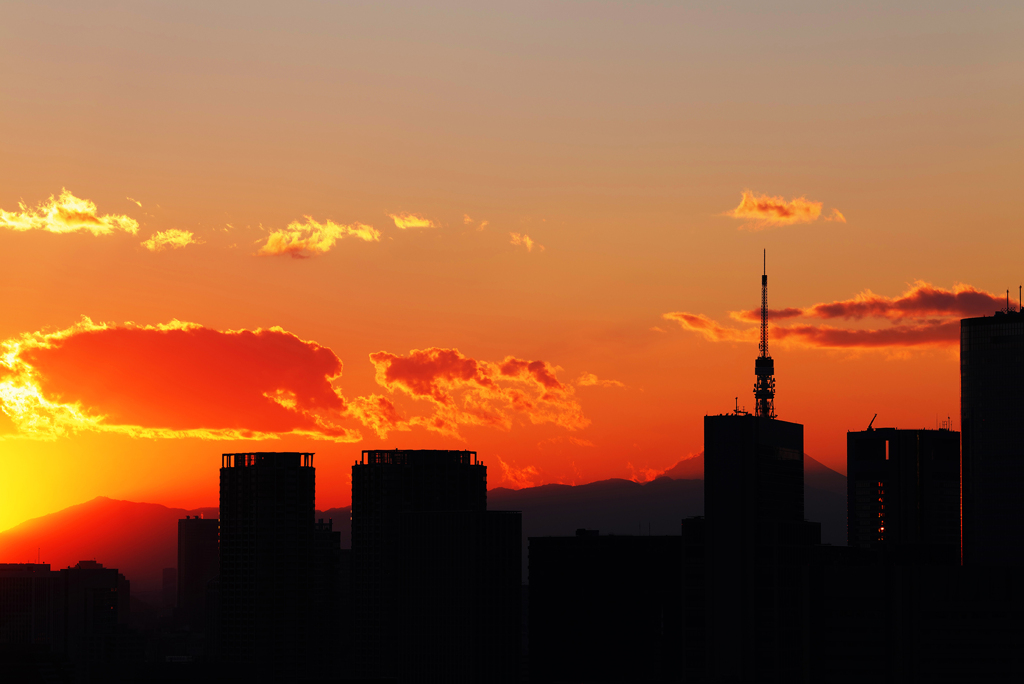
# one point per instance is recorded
(754, 315)
(518, 478)
(66, 214)
(522, 239)
(766, 211)
(302, 240)
(836, 216)
(135, 201)
(468, 220)
(928, 334)
(171, 381)
(921, 299)
(170, 239)
(923, 316)
(711, 330)
(378, 413)
(465, 391)
(591, 380)
(404, 221)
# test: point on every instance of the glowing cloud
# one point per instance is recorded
(170, 239)
(712, 331)
(66, 214)
(836, 216)
(922, 316)
(522, 239)
(465, 391)
(302, 240)
(171, 381)
(404, 221)
(754, 315)
(518, 478)
(767, 211)
(921, 299)
(591, 380)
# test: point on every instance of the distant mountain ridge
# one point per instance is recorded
(140, 539)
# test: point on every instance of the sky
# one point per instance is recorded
(534, 230)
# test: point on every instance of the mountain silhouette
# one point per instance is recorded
(140, 539)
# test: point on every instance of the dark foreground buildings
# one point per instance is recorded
(73, 619)
(278, 587)
(991, 406)
(436, 576)
(903, 491)
(605, 608)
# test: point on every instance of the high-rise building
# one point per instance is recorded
(903, 490)
(436, 576)
(198, 564)
(267, 504)
(991, 405)
(755, 541)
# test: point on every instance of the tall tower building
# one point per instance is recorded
(904, 490)
(436, 576)
(991, 405)
(267, 505)
(756, 536)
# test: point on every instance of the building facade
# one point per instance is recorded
(991, 403)
(436, 576)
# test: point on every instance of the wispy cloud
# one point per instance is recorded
(518, 478)
(404, 221)
(711, 330)
(591, 380)
(170, 239)
(66, 214)
(924, 315)
(135, 201)
(302, 240)
(468, 220)
(765, 211)
(524, 240)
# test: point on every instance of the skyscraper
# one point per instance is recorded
(756, 539)
(266, 546)
(991, 405)
(904, 490)
(436, 576)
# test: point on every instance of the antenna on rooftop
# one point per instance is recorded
(764, 366)
(872, 422)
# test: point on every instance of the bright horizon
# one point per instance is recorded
(535, 232)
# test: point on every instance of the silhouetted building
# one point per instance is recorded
(903, 490)
(436, 577)
(267, 503)
(29, 604)
(755, 541)
(198, 563)
(605, 608)
(757, 549)
(991, 405)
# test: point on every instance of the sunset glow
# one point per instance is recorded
(535, 231)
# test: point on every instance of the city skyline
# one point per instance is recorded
(571, 211)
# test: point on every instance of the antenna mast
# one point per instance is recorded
(764, 366)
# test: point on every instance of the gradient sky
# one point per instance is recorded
(517, 229)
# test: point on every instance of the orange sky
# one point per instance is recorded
(534, 231)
